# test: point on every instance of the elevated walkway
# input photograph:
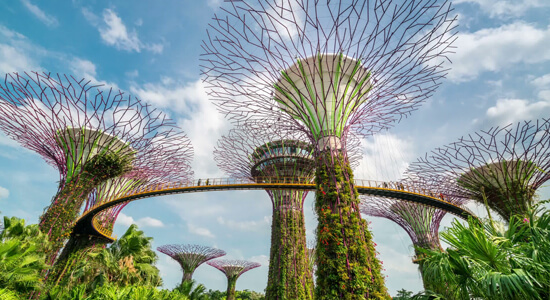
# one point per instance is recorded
(87, 224)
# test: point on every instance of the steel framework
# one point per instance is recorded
(502, 166)
(328, 68)
(190, 257)
(232, 269)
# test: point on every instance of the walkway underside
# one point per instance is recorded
(86, 224)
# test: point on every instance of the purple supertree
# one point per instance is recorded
(233, 269)
(190, 257)
(167, 163)
(501, 167)
(90, 133)
(327, 68)
(270, 155)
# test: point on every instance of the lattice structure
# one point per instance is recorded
(190, 257)
(232, 269)
(90, 133)
(503, 166)
(328, 68)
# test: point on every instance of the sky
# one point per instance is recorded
(500, 73)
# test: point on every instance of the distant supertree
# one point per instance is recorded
(233, 269)
(501, 167)
(190, 257)
(326, 68)
(90, 133)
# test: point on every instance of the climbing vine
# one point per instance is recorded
(57, 222)
(289, 275)
(347, 267)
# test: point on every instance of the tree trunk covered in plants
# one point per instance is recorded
(58, 220)
(289, 275)
(231, 285)
(347, 267)
(187, 276)
(75, 250)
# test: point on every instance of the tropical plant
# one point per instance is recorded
(191, 289)
(21, 257)
(488, 261)
(129, 260)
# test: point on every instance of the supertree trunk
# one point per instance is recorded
(289, 275)
(75, 250)
(231, 286)
(347, 265)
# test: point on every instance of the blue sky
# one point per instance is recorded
(500, 74)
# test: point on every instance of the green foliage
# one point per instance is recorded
(488, 261)
(113, 292)
(403, 294)
(239, 295)
(60, 216)
(289, 275)
(191, 290)
(128, 261)
(21, 258)
(108, 165)
(347, 264)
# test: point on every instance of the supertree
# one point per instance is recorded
(326, 68)
(501, 167)
(90, 133)
(271, 155)
(190, 257)
(233, 269)
(165, 161)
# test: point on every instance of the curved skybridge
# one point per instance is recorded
(86, 224)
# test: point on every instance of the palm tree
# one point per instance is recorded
(489, 261)
(21, 257)
(129, 260)
(191, 289)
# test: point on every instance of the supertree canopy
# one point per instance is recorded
(233, 269)
(190, 257)
(501, 167)
(327, 68)
(90, 133)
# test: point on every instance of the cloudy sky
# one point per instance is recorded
(500, 74)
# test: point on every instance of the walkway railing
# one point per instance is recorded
(217, 184)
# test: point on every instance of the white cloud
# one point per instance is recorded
(90, 16)
(49, 20)
(116, 34)
(385, 158)
(506, 8)
(143, 222)
(262, 259)
(16, 52)
(508, 111)
(214, 3)
(4, 193)
(542, 82)
(202, 123)
(245, 225)
(495, 49)
(200, 231)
